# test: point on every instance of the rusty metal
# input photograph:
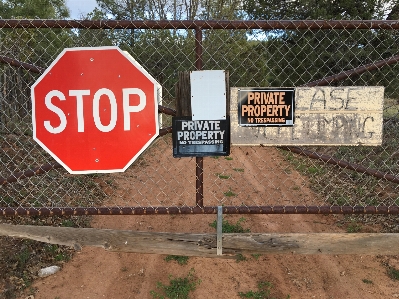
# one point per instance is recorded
(329, 159)
(80, 211)
(198, 26)
(166, 110)
(208, 24)
(344, 164)
(29, 173)
(25, 66)
(165, 131)
(47, 167)
(199, 161)
(353, 72)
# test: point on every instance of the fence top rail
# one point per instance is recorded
(202, 24)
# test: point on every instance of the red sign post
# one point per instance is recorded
(95, 110)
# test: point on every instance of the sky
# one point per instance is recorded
(80, 7)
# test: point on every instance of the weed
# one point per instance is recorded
(61, 257)
(55, 251)
(354, 228)
(367, 281)
(67, 223)
(240, 258)
(181, 260)
(27, 281)
(316, 170)
(222, 176)
(287, 170)
(393, 273)
(215, 157)
(228, 158)
(124, 269)
(227, 227)
(23, 257)
(178, 288)
(256, 256)
(263, 292)
(238, 169)
(229, 193)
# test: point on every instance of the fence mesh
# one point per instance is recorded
(277, 54)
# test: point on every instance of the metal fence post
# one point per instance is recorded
(199, 161)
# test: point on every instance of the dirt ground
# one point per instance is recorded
(96, 273)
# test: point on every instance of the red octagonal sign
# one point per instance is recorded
(95, 110)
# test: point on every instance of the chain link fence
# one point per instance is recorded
(339, 179)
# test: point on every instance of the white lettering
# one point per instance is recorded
(96, 110)
(56, 110)
(179, 135)
(79, 106)
(129, 109)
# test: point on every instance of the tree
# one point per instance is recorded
(305, 55)
(30, 9)
(36, 46)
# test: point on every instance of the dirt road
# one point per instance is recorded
(95, 273)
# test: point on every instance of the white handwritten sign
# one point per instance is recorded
(323, 116)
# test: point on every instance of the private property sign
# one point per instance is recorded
(206, 132)
(95, 110)
(266, 107)
(323, 116)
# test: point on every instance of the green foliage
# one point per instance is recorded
(68, 223)
(263, 292)
(181, 260)
(229, 193)
(56, 253)
(240, 258)
(314, 55)
(178, 288)
(354, 228)
(256, 256)
(222, 176)
(31, 9)
(393, 273)
(227, 227)
(238, 169)
(22, 257)
(367, 281)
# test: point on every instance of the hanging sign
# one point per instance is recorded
(262, 107)
(200, 138)
(207, 131)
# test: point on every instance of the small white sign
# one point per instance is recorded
(208, 95)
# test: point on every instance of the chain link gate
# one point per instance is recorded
(252, 180)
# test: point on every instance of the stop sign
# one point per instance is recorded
(95, 110)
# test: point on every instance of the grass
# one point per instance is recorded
(263, 292)
(240, 258)
(354, 228)
(256, 256)
(178, 288)
(181, 260)
(238, 169)
(391, 108)
(229, 193)
(23, 257)
(56, 252)
(393, 273)
(228, 158)
(367, 281)
(222, 176)
(228, 227)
